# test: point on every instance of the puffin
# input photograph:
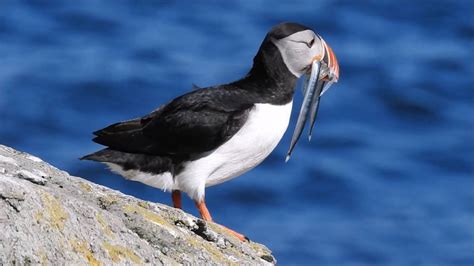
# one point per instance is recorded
(211, 135)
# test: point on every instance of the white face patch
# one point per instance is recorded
(297, 52)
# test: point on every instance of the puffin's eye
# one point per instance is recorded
(310, 44)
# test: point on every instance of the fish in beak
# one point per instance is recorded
(323, 73)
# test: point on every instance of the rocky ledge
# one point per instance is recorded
(50, 217)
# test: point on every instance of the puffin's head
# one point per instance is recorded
(305, 53)
(300, 47)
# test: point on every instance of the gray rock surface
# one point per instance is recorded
(49, 217)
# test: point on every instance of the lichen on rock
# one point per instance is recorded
(49, 217)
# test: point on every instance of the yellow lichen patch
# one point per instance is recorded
(143, 204)
(147, 214)
(43, 258)
(82, 248)
(258, 248)
(38, 216)
(57, 214)
(117, 253)
(86, 187)
(108, 200)
(103, 225)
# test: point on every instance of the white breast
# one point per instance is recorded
(262, 131)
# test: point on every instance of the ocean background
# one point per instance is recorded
(388, 178)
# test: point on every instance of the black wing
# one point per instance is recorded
(194, 123)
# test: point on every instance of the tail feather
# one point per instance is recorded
(104, 155)
(130, 125)
(128, 161)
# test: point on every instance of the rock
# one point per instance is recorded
(50, 217)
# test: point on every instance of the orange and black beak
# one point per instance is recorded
(324, 73)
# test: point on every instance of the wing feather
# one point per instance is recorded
(194, 123)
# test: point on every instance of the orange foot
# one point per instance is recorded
(206, 216)
(238, 235)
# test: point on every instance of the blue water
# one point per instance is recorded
(389, 176)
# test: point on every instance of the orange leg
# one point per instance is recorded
(201, 206)
(176, 197)
(206, 216)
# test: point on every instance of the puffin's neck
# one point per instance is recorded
(269, 77)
